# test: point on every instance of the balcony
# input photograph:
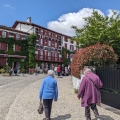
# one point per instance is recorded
(48, 58)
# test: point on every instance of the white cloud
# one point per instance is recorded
(9, 6)
(110, 12)
(64, 22)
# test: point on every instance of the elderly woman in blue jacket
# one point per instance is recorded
(48, 92)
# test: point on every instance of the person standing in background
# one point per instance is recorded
(58, 70)
(55, 70)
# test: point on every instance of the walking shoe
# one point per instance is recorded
(98, 118)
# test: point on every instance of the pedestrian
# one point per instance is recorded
(69, 69)
(11, 70)
(58, 70)
(89, 93)
(48, 92)
(63, 70)
(15, 71)
(66, 71)
(55, 70)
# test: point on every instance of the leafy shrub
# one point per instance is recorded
(95, 55)
(22, 70)
(76, 91)
(2, 70)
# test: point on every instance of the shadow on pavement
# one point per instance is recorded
(104, 117)
(62, 117)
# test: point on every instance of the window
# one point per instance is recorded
(17, 36)
(11, 34)
(60, 52)
(55, 54)
(3, 34)
(24, 37)
(49, 43)
(41, 41)
(66, 40)
(49, 53)
(53, 35)
(71, 41)
(3, 46)
(41, 52)
(16, 48)
(36, 31)
(55, 44)
(65, 46)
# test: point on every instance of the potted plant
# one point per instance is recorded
(2, 70)
(30, 71)
(35, 71)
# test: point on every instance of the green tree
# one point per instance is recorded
(100, 29)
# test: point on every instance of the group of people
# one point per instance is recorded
(13, 70)
(88, 92)
(62, 70)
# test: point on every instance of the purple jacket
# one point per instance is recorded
(87, 91)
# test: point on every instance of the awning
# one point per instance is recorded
(13, 56)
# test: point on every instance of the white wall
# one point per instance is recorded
(76, 81)
(25, 28)
(69, 43)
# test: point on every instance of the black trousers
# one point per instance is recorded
(59, 74)
(47, 106)
(94, 109)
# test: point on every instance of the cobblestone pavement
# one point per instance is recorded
(23, 105)
(10, 88)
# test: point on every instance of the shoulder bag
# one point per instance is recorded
(40, 109)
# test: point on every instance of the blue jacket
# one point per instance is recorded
(49, 89)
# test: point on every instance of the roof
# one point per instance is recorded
(12, 29)
(32, 24)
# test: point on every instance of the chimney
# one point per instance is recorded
(29, 19)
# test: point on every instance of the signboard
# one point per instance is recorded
(71, 56)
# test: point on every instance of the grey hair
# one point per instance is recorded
(86, 70)
(50, 72)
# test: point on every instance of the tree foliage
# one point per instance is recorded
(31, 49)
(95, 55)
(100, 29)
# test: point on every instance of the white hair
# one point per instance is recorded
(50, 72)
(86, 70)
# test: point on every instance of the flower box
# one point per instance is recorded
(5, 74)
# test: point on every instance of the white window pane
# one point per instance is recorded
(3, 34)
(17, 36)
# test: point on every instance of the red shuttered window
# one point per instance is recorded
(2, 61)
(17, 48)
(3, 46)
(65, 46)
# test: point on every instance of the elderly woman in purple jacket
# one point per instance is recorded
(89, 92)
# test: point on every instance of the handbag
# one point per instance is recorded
(40, 109)
(99, 103)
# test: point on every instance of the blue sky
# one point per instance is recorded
(53, 14)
